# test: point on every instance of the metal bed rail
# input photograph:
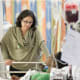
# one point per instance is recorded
(36, 63)
(6, 72)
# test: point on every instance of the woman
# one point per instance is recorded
(23, 43)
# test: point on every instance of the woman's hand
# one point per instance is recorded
(50, 62)
(13, 77)
(8, 61)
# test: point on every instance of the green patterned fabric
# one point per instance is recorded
(41, 76)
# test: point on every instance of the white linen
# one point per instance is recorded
(71, 48)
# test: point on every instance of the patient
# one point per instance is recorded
(59, 63)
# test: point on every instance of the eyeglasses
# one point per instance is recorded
(28, 22)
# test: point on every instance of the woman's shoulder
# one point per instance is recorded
(37, 31)
(9, 32)
(13, 29)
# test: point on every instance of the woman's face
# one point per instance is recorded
(26, 23)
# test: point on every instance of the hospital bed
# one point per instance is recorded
(27, 75)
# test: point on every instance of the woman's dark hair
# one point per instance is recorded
(24, 14)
